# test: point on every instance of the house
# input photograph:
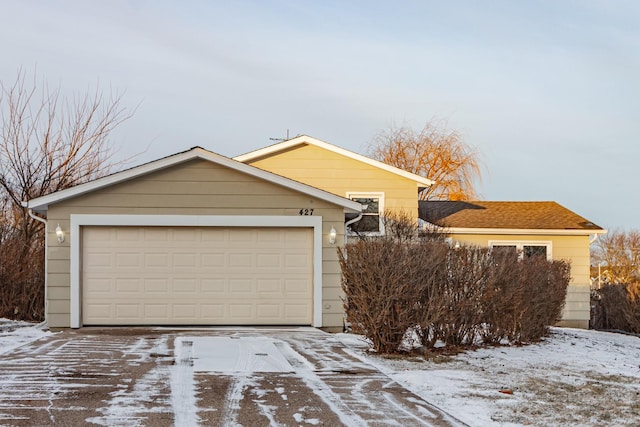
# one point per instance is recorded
(193, 238)
(379, 186)
(533, 228)
(197, 238)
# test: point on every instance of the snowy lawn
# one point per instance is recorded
(14, 334)
(574, 377)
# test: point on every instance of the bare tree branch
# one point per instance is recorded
(434, 152)
(49, 142)
(618, 254)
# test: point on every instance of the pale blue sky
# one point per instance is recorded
(549, 91)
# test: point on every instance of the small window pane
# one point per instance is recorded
(368, 224)
(530, 251)
(372, 203)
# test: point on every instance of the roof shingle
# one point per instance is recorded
(506, 215)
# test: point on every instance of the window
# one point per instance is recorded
(524, 249)
(371, 223)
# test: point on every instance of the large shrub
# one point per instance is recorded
(616, 307)
(21, 277)
(458, 296)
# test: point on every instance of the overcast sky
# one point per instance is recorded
(548, 91)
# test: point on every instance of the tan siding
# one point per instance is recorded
(58, 292)
(58, 306)
(58, 252)
(331, 267)
(58, 279)
(340, 175)
(334, 321)
(574, 249)
(194, 188)
(335, 294)
(58, 320)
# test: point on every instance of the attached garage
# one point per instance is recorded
(197, 275)
(193, 239)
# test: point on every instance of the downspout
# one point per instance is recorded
(346, 325)
(46, 261)
(348, 223)
(595, 237)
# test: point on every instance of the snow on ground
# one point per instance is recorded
(574, 377)
(14, 334)
(237, 354)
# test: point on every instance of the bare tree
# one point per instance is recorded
(48, 142)
(434, 152)
(618, 254)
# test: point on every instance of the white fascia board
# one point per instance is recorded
(304, 139)
(519, 231)
(42, 203)
(81, 220)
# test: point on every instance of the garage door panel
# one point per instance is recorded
(184, 285)
(98, 259)
(215, 313)
(156, 285)
(213, 286)
(214, 235)
(213, 260)
(156, 311)
(241, 235)
(154, 234)
(268, 260)
(127, 234)
(156, 260)
(164, 275)
(269, 286)
(271, 311)
(241, 260)
(128, 311)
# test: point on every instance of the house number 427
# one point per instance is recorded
(306, 212)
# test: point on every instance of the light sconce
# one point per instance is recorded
(332, 236)
(59, 234)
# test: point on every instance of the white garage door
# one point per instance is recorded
(197, 276)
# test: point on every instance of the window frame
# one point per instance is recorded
(520, 244)
(369, 195)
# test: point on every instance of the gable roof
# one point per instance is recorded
(41, 204)
(508, 217)
(305, 139)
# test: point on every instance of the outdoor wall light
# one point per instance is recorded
(59, 234)
(332, 236)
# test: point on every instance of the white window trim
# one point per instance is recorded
(520, 244)
(368, 194)
(78, 221)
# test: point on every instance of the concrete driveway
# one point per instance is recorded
(213, 376)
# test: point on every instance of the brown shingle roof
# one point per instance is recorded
(507, 215)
